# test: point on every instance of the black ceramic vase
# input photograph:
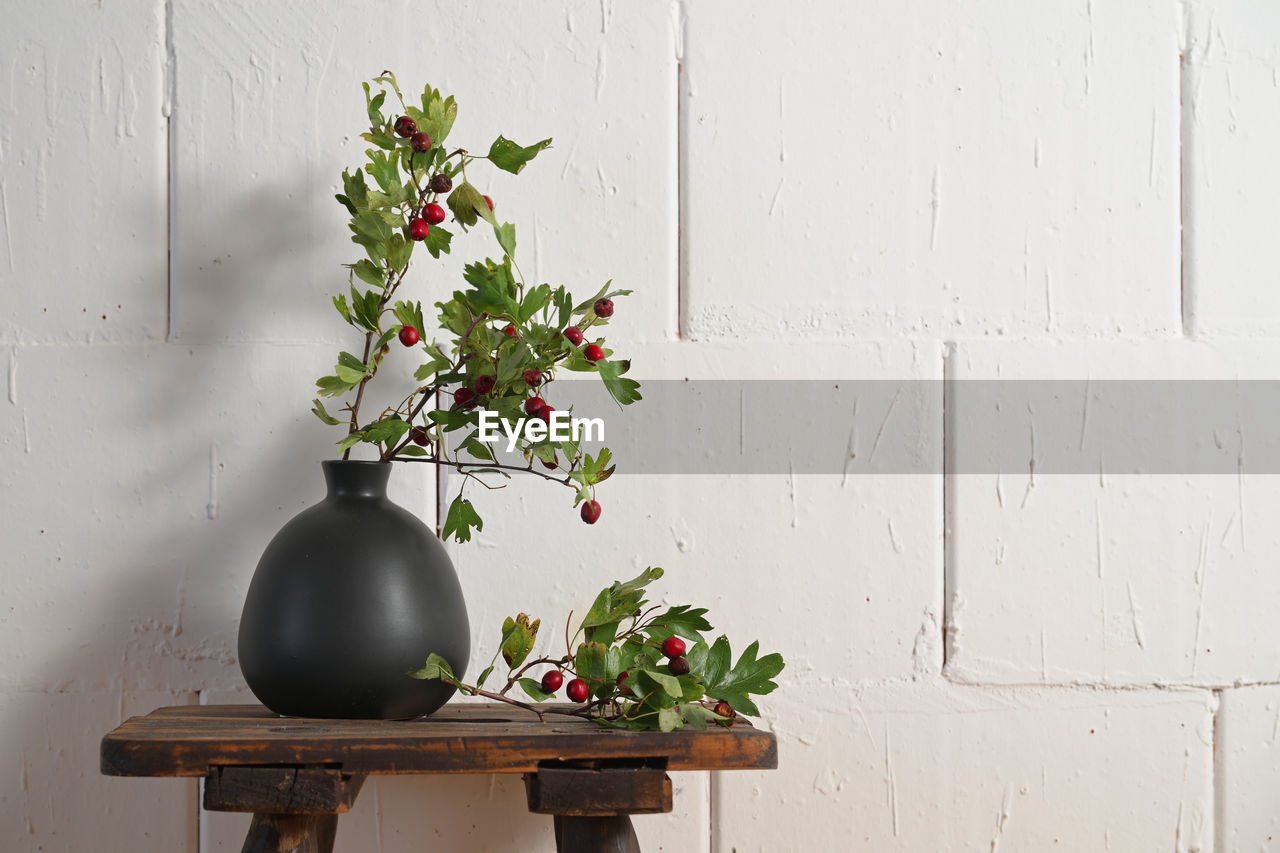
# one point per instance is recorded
(349, 596)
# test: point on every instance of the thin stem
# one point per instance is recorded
(463, 466)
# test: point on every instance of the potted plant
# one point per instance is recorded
(350, 593)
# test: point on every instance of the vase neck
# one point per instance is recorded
(347, 479)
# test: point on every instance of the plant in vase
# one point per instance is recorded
(354, 589)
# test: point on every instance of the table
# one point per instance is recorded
(297, 775)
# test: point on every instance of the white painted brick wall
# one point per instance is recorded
(846, 191)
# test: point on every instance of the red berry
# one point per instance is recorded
(441, 183)
(533, 404)
(724, 709)
(591, 512)
(464, 397)
(593, 352)
(603, 307)
(406, 126)
(574, 334)
(533, 378)
(418, 229)
(420, 436)
(433, 213)
(578, 691)
(673, 647)
(553, 464)
(421, 142)
(509, 331)
(489, 202)
(408, 335)
(551, 681)
(484, 384)
(545, 414)
(678, 666)
(622, 684)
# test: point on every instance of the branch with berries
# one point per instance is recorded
(627, 666)
(504, 340)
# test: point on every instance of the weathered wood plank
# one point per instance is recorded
(271, 833)
(596, 835)
(464, 738)
(602, 792)
(280, 790)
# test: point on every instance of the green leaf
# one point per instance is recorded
(593, 665)
(510, 157)
(319, 412)
(437, 116)
(385, 169)
(682, 620)
(665, 680)
(495, 289)
(534, 690)
(349, 368)
(356, 191)
(534, 301)
(461, 519)
(623, 389)
(399, 250)
(387, 431)
(411, 450)
(374, 105)
(518, 637)
(620, 600)
(748, 675)
(506, 233)
(369, 272)
(564, 307)
(468, 205)
(669, 719)
(437, 241)
(435, 667)
(332, 386)
(351, 440)
(340, 303)
(480, 681)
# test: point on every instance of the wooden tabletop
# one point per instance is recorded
(189, 740)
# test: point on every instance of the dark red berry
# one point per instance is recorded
(464, 397)
(551, 681)
(678, 666)
(441, 183)
(545, 414)
(578, 690)
(489, 202)
(421, 142)
(418, 229)
(420, 436)
(533, 378)
(574, 334)
(593, 352)
(591, 512)
(408, 335)
(622, 684)
(484, 384)
(533, 404)
(553, 464)
(406, 126)
(433, 213)
(603, 307)
(509, 331)
(673, 647)
(724, 709)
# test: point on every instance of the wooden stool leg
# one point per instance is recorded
(291, 833)
(613, 834)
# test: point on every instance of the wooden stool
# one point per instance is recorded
(297, 775)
